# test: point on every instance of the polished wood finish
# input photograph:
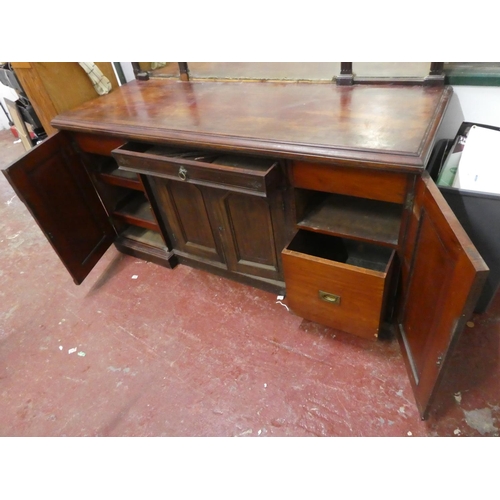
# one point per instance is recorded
(242, 174)
(113, 175)
(189, 216)
(53, 184)
(54, 87)
(96, 144)
(137, 211)
(356, 218)
(329, 156)
(379, 127)
(240, 233)
(314, 263)
(147, 245)
(363, 183)
(127, 200)
(252, 230)
(82, 202)
(441, 287)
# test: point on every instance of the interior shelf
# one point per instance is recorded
(143, 236)
(144, 244)
(137, 211)
(356, 218)
(111, 174)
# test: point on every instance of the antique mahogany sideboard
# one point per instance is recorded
(315, 190)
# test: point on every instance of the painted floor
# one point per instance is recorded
(140, 350)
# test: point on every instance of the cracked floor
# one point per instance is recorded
(140, 350)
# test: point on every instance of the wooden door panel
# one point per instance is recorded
(249, 234)
(442, 282)
(252, 231)
(54, 186)
(188, 216)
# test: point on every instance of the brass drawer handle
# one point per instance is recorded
(329, 297)
(183, 173)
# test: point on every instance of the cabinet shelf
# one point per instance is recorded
(111, 174)
(137, 211)
(144, 244)
(356, 218)
(143, 236)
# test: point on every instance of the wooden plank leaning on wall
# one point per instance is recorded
(54, 87)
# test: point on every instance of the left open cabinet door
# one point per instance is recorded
(52, 182)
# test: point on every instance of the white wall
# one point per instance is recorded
(470, 104)
(128, 71)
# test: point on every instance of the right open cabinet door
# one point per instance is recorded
(442, 277)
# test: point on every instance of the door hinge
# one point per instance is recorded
(410, 198)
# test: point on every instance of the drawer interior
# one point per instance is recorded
(236, 162)
(344, 250)
(171, 152)
(252, 175)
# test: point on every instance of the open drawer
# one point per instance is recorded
(338, 282)
(232, 172)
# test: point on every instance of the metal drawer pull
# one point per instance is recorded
(183, 173)
(329, 297)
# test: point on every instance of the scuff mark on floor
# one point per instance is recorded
(10, 312)
(481, 420)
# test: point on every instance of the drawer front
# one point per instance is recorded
(364, 183)
(234, 173)
(97, 144)
(335, 294)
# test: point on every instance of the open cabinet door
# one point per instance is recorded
(53, 184)
(443, 275)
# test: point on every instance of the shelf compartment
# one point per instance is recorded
(357, 218)
(145, 244)
(111, 174)
(338, 282)
(137, 211)
(144, 236)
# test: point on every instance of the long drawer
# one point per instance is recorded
(338, 282)
(232, 172)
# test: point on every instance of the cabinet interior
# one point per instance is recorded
(127, 204)
(349, 216)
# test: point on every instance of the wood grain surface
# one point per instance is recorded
(380, 126)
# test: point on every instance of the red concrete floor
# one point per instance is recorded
(184, 353)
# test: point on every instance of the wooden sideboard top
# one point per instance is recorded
(376, 126)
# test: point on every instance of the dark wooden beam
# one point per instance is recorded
(436, 74)
(139, 74)
(184, 71)
(346, 77)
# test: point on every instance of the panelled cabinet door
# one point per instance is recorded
(53, 184)
(188, 213)
(251, 229)
(442, 277)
